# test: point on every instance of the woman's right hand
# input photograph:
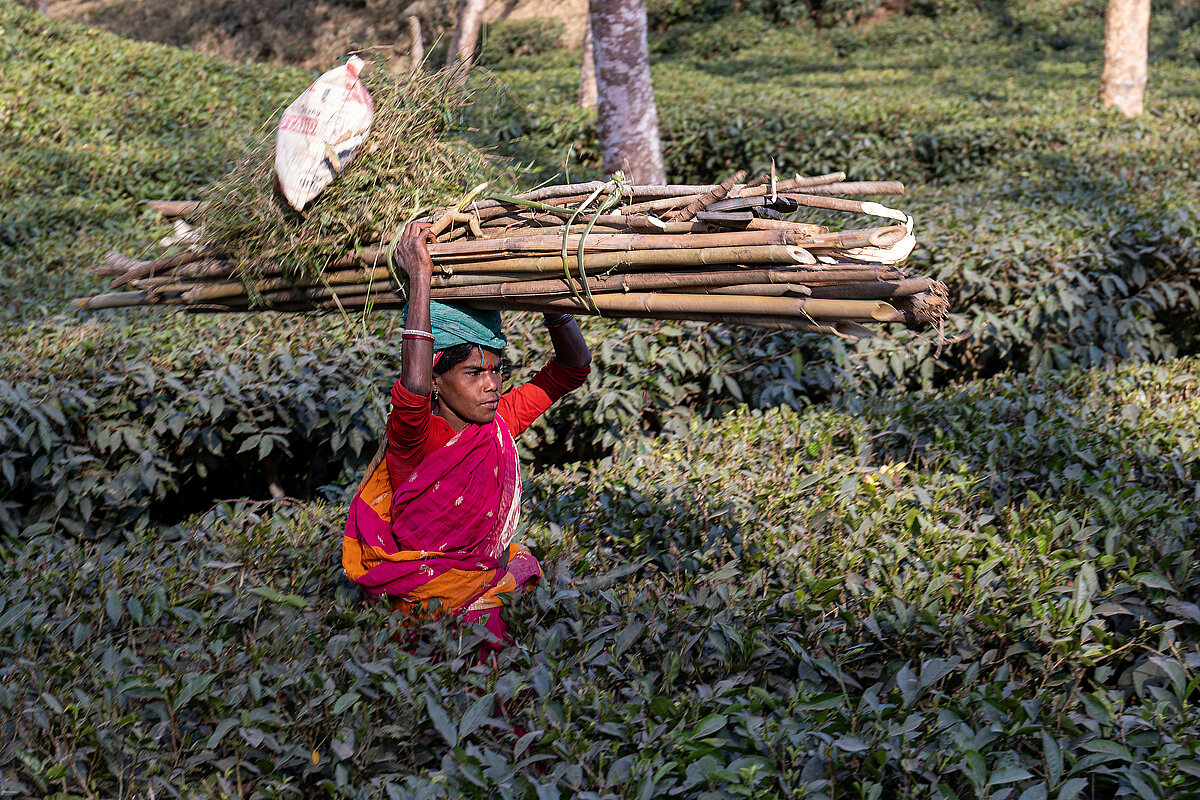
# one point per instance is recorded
(412, 251)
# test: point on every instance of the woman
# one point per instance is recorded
(432, 525)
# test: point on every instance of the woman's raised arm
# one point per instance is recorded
(416, 349)
(570, 349)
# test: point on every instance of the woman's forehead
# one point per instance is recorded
(481, 357)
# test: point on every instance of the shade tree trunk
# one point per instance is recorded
(466, 35)
(628, 116)
(1126, 49)
(587, 71)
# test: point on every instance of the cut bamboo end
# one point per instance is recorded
(111, 300)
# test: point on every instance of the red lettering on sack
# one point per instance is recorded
(299, 123)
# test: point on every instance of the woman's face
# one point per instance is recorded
(469, 392)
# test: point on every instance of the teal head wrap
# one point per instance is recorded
(454, 323)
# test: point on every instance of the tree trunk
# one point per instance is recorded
(1126, 45)
(416, 49)
(627, 114)
(466, 34)
(587, 72)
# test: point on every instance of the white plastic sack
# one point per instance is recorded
(320, 133)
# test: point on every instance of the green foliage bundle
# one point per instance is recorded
(411, 164)
(958, 594)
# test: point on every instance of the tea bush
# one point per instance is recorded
(984, 592)
(506, 39)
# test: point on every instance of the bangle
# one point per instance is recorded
(557, 322)
(411, 333)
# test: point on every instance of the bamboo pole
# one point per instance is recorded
(144, 269)
(492, 248)
(653, 304)
(753, 290)
(876, 290)
(845, 328)
(627, 259)
(719, 192)
(110, 300)
(852, 187)
(618, 283)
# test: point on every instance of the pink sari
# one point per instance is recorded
(443, 540)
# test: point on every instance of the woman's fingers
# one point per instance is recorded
(417, 229)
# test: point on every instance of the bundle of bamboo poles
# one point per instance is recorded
(715, 253)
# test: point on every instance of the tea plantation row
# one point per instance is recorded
(984, 592)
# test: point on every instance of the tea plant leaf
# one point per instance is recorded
(627, 638)
(192, 686)
(909, 685)
(345, 701)
(1051, 758)
(1008, 774)
(1071, 788)
(293, 600)
(441, 720)
(114, 607)
(709, 725)
(476, 714)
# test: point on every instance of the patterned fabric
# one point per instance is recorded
(443, 540)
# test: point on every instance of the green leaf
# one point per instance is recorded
(935, 669)
(1108, 747)
(224, 727)
(113, 606)
(294, 600)
(627, 637)
(909, 685)
(1038, 791)
(1052, 756)
(851, 744)
(475, 715)
(709, 725)
(1071, 789)
(191, 687)
(345, 701)
(524, 743)
(1008, 774)
(1154, 581)
(441, 720)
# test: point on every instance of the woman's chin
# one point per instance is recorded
(485, 416)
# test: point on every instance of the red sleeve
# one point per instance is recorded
(521, 406)
(408, 433)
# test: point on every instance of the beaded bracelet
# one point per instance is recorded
(411, 333)
(557, 322)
